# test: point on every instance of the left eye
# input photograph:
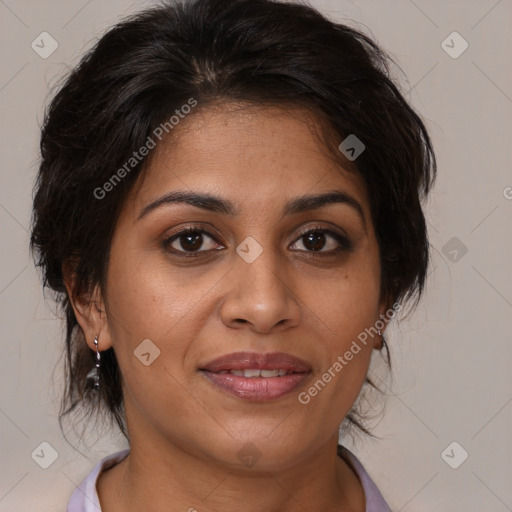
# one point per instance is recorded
(315, 241)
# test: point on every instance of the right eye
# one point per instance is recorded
(188, 242)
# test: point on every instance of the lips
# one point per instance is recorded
(257, 377)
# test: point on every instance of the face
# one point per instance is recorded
(258, 272)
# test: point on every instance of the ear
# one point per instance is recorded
(89, 308)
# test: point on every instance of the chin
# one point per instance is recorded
(253, 453)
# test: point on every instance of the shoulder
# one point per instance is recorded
(85, 497)
(374, 499)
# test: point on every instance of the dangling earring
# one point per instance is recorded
(384, 344)
(94, 374)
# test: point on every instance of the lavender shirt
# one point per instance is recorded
(85, 497)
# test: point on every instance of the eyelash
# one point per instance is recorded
(344, 243)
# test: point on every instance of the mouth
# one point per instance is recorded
(257, 377)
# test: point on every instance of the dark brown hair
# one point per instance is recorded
(257, 51)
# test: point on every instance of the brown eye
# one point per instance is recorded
(314, 240)
(323, 241)
(190, 240)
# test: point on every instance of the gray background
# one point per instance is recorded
(451, 378)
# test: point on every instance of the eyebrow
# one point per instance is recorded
(218, 205)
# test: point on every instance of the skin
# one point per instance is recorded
(185, 434)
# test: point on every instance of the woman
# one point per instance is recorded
(229, 208)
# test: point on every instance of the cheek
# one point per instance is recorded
(147, 303)
(145, 291)
(347, 303)
(149, 299)
(345, 308)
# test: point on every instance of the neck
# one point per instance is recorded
(173, 479)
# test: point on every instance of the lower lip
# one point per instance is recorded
(256, 389)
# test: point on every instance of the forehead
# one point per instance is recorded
(247, 152)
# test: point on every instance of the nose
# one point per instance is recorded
(260, 296)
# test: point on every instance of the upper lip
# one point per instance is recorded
(255, 360)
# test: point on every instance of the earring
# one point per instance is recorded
(94, 374)
(384, 344)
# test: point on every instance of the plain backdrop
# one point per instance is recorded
(450, 395)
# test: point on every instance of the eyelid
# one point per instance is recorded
(342, 239)
(188, 229)
(345, 243)
(318, 227)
